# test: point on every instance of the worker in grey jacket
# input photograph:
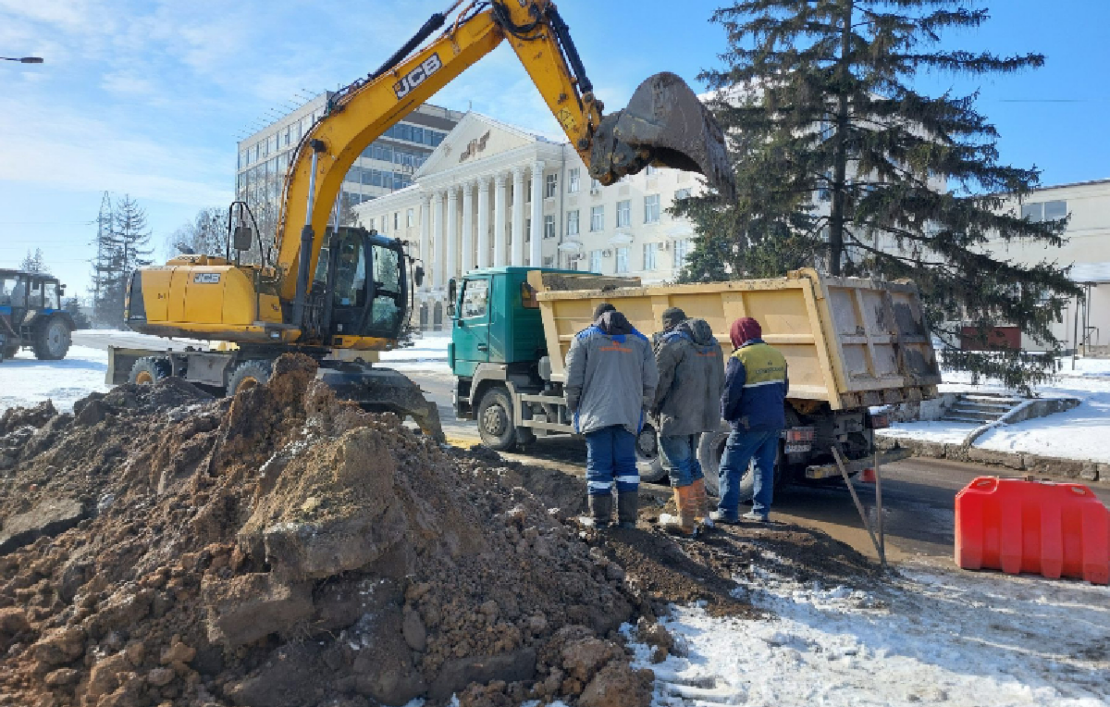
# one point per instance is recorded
(610, 384)
(691, 378)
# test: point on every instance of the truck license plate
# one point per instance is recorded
(798, 448)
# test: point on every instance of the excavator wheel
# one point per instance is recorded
(247, 375)
(148, 370)
(665, 124)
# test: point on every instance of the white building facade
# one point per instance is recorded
(493, 195)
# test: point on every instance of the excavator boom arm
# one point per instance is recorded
(620, 144)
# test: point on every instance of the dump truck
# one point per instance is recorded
(851, 345)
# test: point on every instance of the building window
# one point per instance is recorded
(574, 178)
(572, 223)
(595, 260)
(651, 169)
(681, 253)
(651, 208)
(410, 218)
(622, 260)
(1045, 211)
(549, 261)
(597, 218)
(624, 213)
(371, 223)
(650, 252)
(595, 186)
(548, 226)
(396, 220)
(551, 185)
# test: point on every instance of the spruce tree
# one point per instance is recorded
(844, 164)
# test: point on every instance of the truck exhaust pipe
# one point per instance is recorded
(665, 125)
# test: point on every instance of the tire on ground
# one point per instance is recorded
(149, 370)
(712, 447)
(495, 419)
(51, 341)
(648, 460)
(247, 375)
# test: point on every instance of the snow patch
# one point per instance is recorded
(932, 636)
(26, 381)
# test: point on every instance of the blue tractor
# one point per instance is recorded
(31, 315)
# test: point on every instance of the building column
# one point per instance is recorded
(535, 255)
(452, 231)
(437, 238)
(500, 256)
(425, 230)
(468, 228)
(483, 223)
(518, 217)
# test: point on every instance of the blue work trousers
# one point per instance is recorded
(611, 457)
(680, 458)
(743, 447)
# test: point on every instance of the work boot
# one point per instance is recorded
(683, 525)
(601, 510)
(701, 503)
(723, 518)
(628, 503)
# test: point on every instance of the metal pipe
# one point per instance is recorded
(434, 22)
(859, 505)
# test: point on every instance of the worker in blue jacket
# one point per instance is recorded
(753, 402)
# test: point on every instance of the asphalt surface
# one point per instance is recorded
(918, 494)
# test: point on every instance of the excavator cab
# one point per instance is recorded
(360, 288)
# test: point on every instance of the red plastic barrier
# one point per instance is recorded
(1055, 530)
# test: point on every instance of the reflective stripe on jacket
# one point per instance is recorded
(756, 384)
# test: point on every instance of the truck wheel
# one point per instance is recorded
(247, 375)
(495, 419)
(648, 460)
(710, 450)
(52, 340)
(149, 370)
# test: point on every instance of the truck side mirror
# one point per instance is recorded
(244, 236)
(452, 289)
(418, 275)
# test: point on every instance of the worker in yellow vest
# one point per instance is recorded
(753, 402)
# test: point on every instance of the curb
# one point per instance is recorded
(1035, 464)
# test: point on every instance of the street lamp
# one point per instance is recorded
(24, 59)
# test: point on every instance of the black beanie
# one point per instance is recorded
(602, 309)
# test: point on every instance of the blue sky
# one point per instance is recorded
(148, 97)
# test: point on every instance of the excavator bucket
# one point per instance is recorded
(666, 125)
(384, 390)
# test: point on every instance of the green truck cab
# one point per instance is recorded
(498, 354)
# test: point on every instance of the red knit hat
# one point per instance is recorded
(744, 330)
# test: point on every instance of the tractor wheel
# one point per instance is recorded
(149, 370)
(52, 340)
(247, 375)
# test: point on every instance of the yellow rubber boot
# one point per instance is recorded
(683, 525)
(701, 503)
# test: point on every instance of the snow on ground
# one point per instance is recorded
(428, 353)
(1082, 433)
(25, 381)
(934, 636)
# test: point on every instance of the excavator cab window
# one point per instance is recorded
(369, 291)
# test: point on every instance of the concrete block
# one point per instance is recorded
(1010, 460)
(48, 518)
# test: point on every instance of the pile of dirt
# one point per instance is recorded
(285, 548)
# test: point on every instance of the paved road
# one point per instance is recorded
(918, 494)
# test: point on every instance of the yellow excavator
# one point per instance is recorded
(333, 293)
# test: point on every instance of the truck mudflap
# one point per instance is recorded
(384, 390)
(829, 471)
